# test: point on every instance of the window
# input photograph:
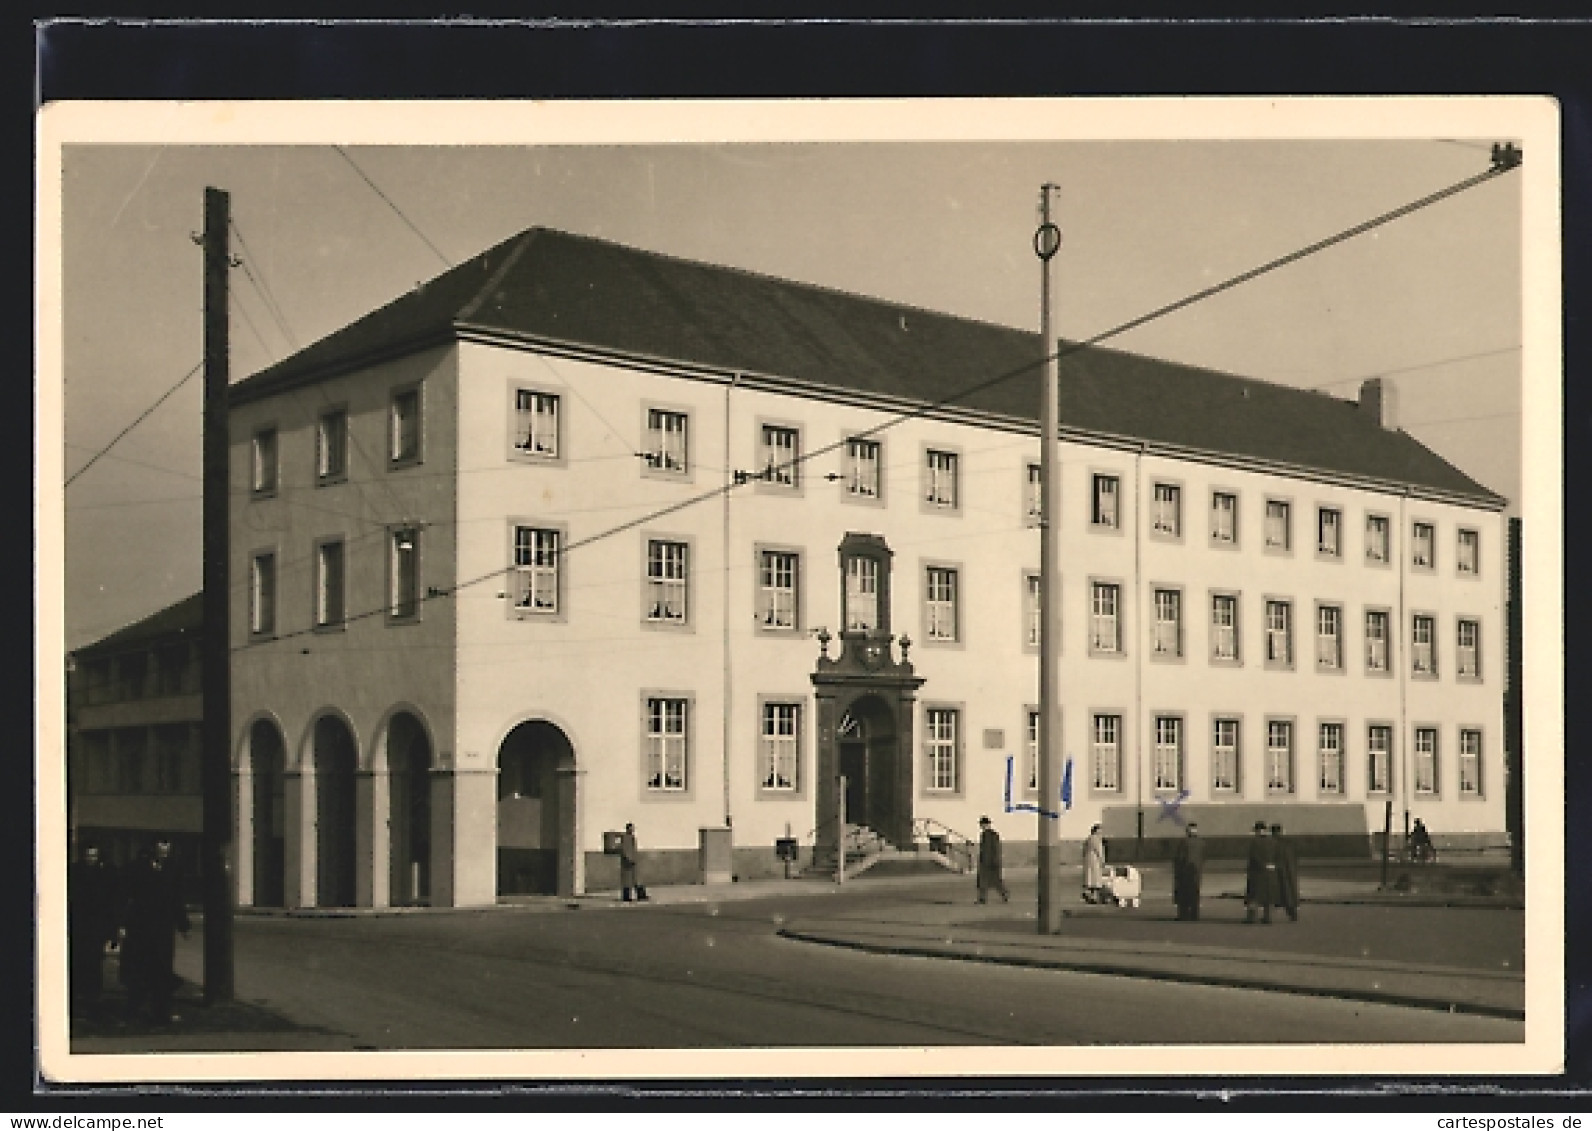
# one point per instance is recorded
(1329, 637)
(941, 741)
(1168, 641)
(863, 468)
(939, 604)
(331, 446)
(262, 594)
(667, 438)
(1166, 516)
(1104, 512)
(1379, 758)
(262, 476)
(1279, 756)
(1468, 636)
(1330, 757)
(1033, 612)
(1224, 627)
(779, 745)
(1034, 494)
(1469, 762)
(1329, 521)
(329, 603)
(171, 667)
(1423, 546)
(781, 449)
(1224, 756)
(939, 484)
(1376, 657)
(404, 426)
(778, 574)
(404, 578)
(1425, 759)
(666, 745)
(1279, 533)
(1105, 629)
(1376, 538)
(1106, 751)
(1279, 633)
(862, 594)
(1168, 752)
(1224, 518)
(1423, 645)
(537, 561)
(666, 582)
(1031, 749)
(132, 671)
(536, 423)
(1467, 555)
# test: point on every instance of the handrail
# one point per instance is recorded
(960, 848)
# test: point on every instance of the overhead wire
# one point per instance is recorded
(1498, 168)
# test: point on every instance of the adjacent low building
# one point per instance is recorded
(133, 702)
(577, 534)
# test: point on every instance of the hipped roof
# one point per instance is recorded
(554, 287)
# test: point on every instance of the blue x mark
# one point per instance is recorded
(1169, 808)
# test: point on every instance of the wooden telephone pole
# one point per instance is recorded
(216, 729)
(1047, 241)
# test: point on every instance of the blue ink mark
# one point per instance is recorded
(1024, 807)
(1169, 809)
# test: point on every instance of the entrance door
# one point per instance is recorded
(265, 763)
(854, 768)
(335, 763)
(535, 811)
(409, 787)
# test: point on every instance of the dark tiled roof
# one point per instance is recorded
(186, 616)
(591, 293)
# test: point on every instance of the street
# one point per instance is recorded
(718, 975)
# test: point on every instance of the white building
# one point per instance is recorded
(577, 534)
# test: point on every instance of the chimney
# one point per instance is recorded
(1379, 400)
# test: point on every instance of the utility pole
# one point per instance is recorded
(1047, 241)
(216, 729)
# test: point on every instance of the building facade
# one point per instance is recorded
(576, 535)
(133, 714)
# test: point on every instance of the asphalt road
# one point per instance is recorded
(719, 976)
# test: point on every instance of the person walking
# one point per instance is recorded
(91, 923)
(1188, 870)
(1094, 865)
(989, 861)
(1421, 850)
(1287, 874)
(629, 856)
(1260, 876)
(155, 914)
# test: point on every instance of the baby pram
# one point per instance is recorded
(1120, 884)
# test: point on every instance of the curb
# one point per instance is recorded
(1117, 969)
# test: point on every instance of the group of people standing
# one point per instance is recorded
(1271, 874)
(139, 911)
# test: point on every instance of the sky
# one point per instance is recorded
(1433, 299)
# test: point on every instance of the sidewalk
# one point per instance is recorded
(1148, 942)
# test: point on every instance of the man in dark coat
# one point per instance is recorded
(1287, 874)
(155, 913)
(1260, 876)
(91, 922)
(989, 861)
(629, 855)
(1188, 869)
